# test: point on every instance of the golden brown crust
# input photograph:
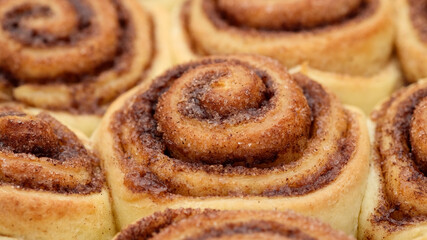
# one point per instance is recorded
(40, 153)
(359, 10)
(350, 53)
(139, 130)
(400, 200)
(411, 38)
(286, 15)
(51, 184)
(205, 97)
(209, 29)
(308, 175)
(206, 224)
(405, 184)
(418, 136)
(75, 55)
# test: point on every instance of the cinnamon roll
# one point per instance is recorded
(214, 224)
(411, 39)
(51, 184)
(77, 56)
(234, 132)
(395, 203)
(350, 41)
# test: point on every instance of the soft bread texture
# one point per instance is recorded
(361, 91)
(51, 186)
(208, 223)
(82, 56)
(139, 186)
(43, 215)
(353, 51)
(388, 211)
(167, 4)
(411, 39)
(85, 123)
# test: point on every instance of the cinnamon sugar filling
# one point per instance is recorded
(408, 148)
(142, 115)
(40, 153)
(117, 60)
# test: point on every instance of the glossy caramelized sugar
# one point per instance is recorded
(233, 132)
(396, 202)
(207, 224)
(73, 55)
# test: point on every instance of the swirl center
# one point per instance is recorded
(230, 90)
(233, 113)
(48, 40)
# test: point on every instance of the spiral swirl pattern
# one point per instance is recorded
(51, 184)
(179, 135)
(73, 55)
(227, 128)
(401, 147)
(228, 94)
(321, 33)
(208, 224)
(37, 152)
